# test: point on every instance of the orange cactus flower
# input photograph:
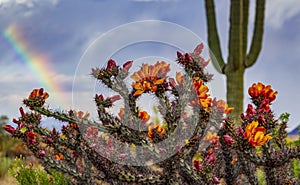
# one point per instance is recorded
(161, 130)
(81, 114)
(149, 77)
(202, 93)
(260, 90)
(121, 113)
(38, 94)
(144, 116)
(222, 106)
(256, 135)
(256, 90)
(59, 157)
(179, 78)
(211, 137)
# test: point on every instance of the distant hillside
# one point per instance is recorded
(295, 131)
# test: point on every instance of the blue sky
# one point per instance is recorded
(63, 29)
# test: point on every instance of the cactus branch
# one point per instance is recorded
(257, 38)
(235, 44)
(213, 37)
(245, 25)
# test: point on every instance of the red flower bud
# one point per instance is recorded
(110, 65)
(22, 111)
(261, 119)
(100, 97)
(197, 165)
(188, 58)
(179, 55)
(250, 111)
(54, 132)
(242, 116)
(172, 82)
(127, 66)
(9, 129)
(265, 106)
(16, 121)
(49, 140)
(31, 137)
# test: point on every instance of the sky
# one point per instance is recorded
(54, 44)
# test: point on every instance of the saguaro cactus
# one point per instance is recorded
(239, 58)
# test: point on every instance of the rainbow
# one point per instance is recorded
(38, 64)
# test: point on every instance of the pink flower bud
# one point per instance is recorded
(204, 63)
(127, 66)
(228, 140)
(211, 158)
(216, 180)
(49, 140)
(240, 131)
(114, 98)
(42, 153)
(122, 156)
(198, 49)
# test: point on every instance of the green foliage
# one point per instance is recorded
(3, 121)
(35, 175)
(5, 143)
(296, 168)
(261, 177)
(5, 165)
(284, 117)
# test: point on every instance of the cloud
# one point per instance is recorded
(27, 3)
(12, 3)
(278, 11)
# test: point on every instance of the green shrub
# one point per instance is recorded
(35, 175)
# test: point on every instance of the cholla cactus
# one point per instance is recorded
(130, 149)
(260, 142)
